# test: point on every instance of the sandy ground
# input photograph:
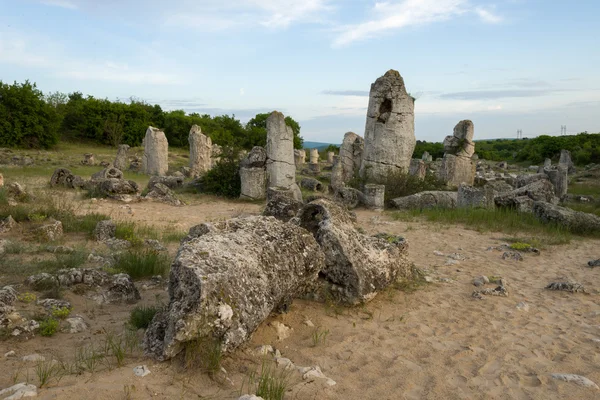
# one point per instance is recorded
(435, 343)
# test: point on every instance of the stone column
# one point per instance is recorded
(122, 159)
(200, 152)
(155, 160)
(299, 157)
(558, 175)
(314, 156)
(253, 175)
(565, 160)
(417, 168)
(374, 196)
(330, 155)
(350, 158)
(281, 169)
(390, 128)
(457, 165)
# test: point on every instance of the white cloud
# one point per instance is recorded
(394, 15)
(487, 16)
(61, 3)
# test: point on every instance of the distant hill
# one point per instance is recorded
(317, 145)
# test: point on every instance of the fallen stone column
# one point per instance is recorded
(229, 277)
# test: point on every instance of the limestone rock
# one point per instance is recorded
(559, 177)
(576, 221)
(389, 129)
(256, 158)
(299, 157)
(19, 391)
(7, 224)
(8, 295)
(572, 287)
(200, 152)
(594, 263)
(281, 204)
(120, 290)
(577, 379)
(349, 197)
(541, 190)
(565, 161)
(155, 160)
(50, 232)
(281, 169)
(162, 193)
(228, 277)
(374, 196)
(108, 173)
(88, 159)
(428, 199)
(141, 371)
(105, 230)
(471, 197)
(456, 170)
(417, 168)
(1, 180)
(122, 158)
(349, 160)
(253, 175)
(76, 324)
(114, 188)
(330, 155)
(314, 156)
(172, 182)
(524, 180)
(358, 265)
(60, 176)
(311, 184)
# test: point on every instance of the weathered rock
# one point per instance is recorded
(427, 200)
(526, 179)
(121, 290)
(389, 129)
(50, 231)
(88, 159)
(502, 165)
(594, 263)
(108, 173)
(281, 204)
(572, 287)
(228, 277)
(105, 230)
(281, 169)
(349, 197)
(460, 143)
(577, 379)
(8, 295)
(299, 157)
(76, 324)
(162, 193)
(256, 158)
(417, 168)
(565, 161)
(200, 152)
(314, 168)
(559, 177)
(253, 183)
(135, 164)
(311, 184)
(141, 371)
(357, 265)
(52, 304)
(122, 158)
(68, 277)
(471, 197)
(541, 190)
(314, 156)
(172, 182)
(575, 221)
(497, 291)
(215, 155)
(512, 255)
(19, 391)
(330, 155)
(349, 160)
(456, 170)
(374, 196)
(154, 245)
(155, 160)
(114, 187)
(426, 157)
(7, 224)
(499, 187)
(60, 176)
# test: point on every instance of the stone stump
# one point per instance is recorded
(558, 176)
(417, 168)
(253, 175)
(88, 159)
(122, 158)
(299, 157)
(349, 161)
(330, 155)
(389, 129)
(374, 196)
(155, 160)
(565, 160)
(314, 156)
(280, 165)
(457, 165)
(200, 152)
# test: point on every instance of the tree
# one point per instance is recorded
(257, 127)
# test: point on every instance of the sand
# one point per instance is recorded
(434, 343)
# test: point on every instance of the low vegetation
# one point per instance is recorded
(142, 263)
(141, 316)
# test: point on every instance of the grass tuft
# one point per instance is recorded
(143, 264)
(204, 353)
(141, 316)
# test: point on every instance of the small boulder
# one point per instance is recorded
(572, 287)
(426, 200)
(105, 230)
(594, 263)
(108, 173)
(576, 221)
(50, 232)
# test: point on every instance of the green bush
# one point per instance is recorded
(49, 326)
(224, 178)
(141, 316)
(26, 120)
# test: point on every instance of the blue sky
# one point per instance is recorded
(506, 65)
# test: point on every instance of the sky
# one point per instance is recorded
(504, 64)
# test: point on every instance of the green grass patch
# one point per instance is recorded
(49, 327)
(590, 208)
(498, 220)
(584, 189)
(141, 316)
(62, 261)
(143, 264)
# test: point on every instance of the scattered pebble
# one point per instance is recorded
(309, 323)
(594, 263)
(284, 362)
(76, 324)
(283, 331)
(264, 350)
(497, 291)
(451, 262)
(522, 306)
(141, 370)
(34, 358)
(457, 257)
(311, 373)
(578, 379)
(439, 253)
(481, 280)
(10, 354)
(512, 255)
(572, 287)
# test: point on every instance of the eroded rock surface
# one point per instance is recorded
(155, 160)
(281, 168)
(428, 199)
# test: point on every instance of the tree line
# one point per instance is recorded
(31, 119)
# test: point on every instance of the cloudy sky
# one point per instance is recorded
(505, 64)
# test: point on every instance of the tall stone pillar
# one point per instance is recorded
(281, 168)
(200, 152)
(155, 160)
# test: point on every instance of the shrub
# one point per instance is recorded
(49, 326)
(141, 316)
(204, 353)
(61, 312)
(401, 184)
(27, 297)
(141, 264)
(224, 178)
